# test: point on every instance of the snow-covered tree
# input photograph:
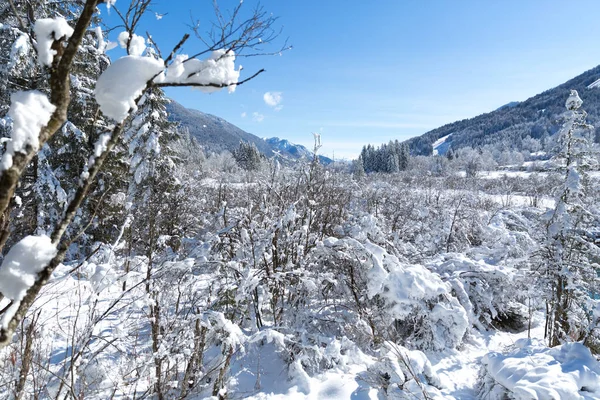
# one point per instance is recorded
(570, 255)
(248, 157)
(118, 91)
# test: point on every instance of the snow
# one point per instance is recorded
(218, 69)
(123, 82)
(594, 84)
(19, 49)
(100, 145)
(22, 263)
(440, 147)
(48, 30)
(574, 101)
(99, 148)
(533, 371)
(573, 182)
(100, 36)
(137, 44)
(30, 111)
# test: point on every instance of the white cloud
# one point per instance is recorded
(274, 99)
(243, 115)
(257, 117)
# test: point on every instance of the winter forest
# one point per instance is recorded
(137, 264)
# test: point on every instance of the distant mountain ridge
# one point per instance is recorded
(295, 150)
(509, 126)
(215, 134)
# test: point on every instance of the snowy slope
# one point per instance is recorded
(441, 146)
(504, 127)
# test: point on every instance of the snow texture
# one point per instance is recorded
(22, 263)
(123, 82)
(99, 147)
(100, 37)
(48, 30)
(534, 371)
(218, 69)
(30, 112)
(594, 84)
(137, 44)
(440, 146)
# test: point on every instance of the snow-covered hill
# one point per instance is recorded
(512, 125)
(216, 134)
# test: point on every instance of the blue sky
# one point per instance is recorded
(371, 71)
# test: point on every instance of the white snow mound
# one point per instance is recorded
(533, 371)
(30, 111)
(218, 69)
(47, 30)
(22, 263)
(123, 82)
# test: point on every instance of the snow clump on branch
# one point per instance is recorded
(126, 79)
(22, 263)
(48, 30)
(30, 111)
(206, 75)
(123, 82)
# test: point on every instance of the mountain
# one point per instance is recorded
(286, 148)
(511, 126)
(216, 134)
(508, 105)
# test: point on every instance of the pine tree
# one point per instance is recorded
(404, 157)
(358, 168)
(568, 254)
(248, 157)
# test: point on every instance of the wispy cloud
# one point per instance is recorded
(274, 99)
(243, 115)
(257, 117)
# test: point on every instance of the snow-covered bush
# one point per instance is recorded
(401, 373)
(406, 303)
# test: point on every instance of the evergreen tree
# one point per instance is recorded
(403, 157)
(568, 253)
(248, 157)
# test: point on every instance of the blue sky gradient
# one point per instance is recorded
(368, 72)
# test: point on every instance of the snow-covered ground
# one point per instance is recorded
(440, 147)
(260, 373)
(459, 370)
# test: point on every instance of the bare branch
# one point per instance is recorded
(176, 48)
(215, 85)
(14, 10)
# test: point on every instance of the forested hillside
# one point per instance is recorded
(513, 128)
(214, 134)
